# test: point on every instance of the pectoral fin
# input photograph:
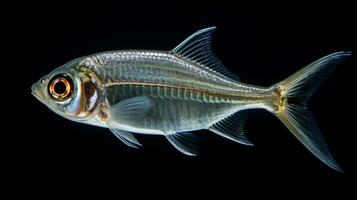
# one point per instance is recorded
(127, 110)
(130, 109)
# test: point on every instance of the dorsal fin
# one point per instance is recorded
(198, 48)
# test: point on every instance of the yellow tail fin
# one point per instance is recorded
(293, 112)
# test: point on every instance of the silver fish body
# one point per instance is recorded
(173, 93)
(185, 95)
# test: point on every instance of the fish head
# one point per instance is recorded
(71, 91)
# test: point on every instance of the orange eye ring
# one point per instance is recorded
(60, 87)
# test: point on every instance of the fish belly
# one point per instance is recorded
(173, 109)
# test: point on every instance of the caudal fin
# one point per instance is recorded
(294, 93)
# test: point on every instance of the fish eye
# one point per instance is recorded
(60, 87)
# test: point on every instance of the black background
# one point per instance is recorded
(261, 42)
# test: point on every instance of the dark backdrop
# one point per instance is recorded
(261, 42)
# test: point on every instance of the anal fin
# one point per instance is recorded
(232, 128)
(184, 142)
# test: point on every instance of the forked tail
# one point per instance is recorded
(294, 93)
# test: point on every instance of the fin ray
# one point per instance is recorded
(185, 142)
(198, 48)
(126, 137)
(232, 128)
(292, 111)
(130, 109)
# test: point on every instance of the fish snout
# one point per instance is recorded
(33, 88)
(37, 92)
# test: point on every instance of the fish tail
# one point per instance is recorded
(294, 93)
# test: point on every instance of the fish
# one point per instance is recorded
(174, 93)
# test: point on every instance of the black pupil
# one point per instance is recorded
(60, 87)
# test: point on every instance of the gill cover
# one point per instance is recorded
(85, 100)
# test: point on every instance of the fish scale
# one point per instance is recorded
(165, 67)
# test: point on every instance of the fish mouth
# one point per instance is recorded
(36, 92)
